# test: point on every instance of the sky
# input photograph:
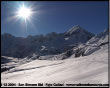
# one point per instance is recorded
(54, 16)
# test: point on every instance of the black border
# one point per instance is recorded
(108, 32)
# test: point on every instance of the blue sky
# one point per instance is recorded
(54, 16)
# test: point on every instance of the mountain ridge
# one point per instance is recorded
(54, 43)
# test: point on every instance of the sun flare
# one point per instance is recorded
(24, 12)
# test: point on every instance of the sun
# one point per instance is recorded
(24, 12)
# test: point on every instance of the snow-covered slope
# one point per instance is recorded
(100, 38)
(96, 42)
(87, 69)
(90, 66)
(8, 63)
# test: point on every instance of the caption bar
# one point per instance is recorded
(48, 84)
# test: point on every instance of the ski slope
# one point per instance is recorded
(87, 69)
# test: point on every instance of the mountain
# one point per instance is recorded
(80, 63)
(71, 66)
(100, 38)
(77, 30)
(49, 44)
(14, 46)
(96, 43)
(77, 35)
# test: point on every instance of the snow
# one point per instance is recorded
(100, 38)
(73, 29)
(88, 69)
(43, 48)
(66, 38)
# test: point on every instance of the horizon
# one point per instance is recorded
(49, 33)
(55, 16)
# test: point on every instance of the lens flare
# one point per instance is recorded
(24, 12)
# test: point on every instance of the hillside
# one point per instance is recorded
(91, 67)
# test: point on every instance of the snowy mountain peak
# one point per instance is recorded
(74, 29)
